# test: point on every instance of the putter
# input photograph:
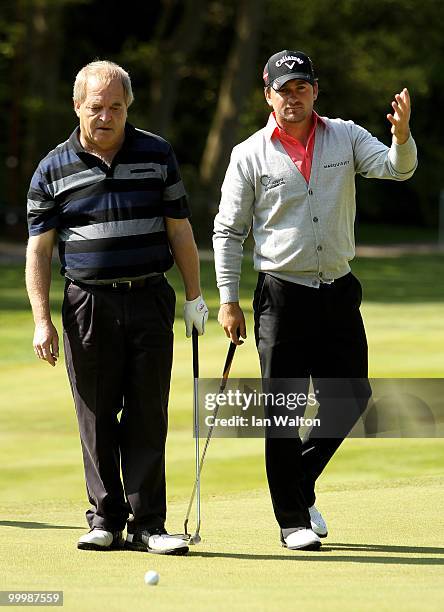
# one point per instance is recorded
(195, 539)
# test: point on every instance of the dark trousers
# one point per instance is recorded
(118, 348)
(304, 332)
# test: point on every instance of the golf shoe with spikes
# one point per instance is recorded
(300, 539)
(318, 524)
(100, 539)
(156, 541)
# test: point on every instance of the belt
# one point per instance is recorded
(122, 286)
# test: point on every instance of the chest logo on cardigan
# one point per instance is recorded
(337, 164)
(269, 183)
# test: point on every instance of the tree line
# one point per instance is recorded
(196, 68)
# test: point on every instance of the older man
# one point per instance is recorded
(294, 182)
(113, 197)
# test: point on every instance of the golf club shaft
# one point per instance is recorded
(195, 339)
(199, 463)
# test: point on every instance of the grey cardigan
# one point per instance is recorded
(302, 232)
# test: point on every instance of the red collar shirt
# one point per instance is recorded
(301, 156)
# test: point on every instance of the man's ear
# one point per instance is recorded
(77, 108)
(267, 94)
(315, 90)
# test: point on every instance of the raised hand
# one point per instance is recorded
(401, 117)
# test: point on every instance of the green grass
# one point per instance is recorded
(382, 498)
(376, 557)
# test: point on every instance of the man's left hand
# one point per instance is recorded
(195, 313)
(401, 117)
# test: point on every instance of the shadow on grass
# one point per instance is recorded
(426, 550)
(406, 279)
(368, 558)
(32, 525)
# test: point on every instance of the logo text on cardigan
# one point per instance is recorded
(337, 164)
(269, 183)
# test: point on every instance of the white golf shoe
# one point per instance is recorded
(100, 539)
(156, 541)
(300, 539)
(318, 524)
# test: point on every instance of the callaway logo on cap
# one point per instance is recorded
(287, 65)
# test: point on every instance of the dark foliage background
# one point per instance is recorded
(196, 69)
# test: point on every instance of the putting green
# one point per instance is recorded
(382, 499)
(383, 553)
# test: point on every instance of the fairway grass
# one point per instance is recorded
(382, 498)
(381, 554)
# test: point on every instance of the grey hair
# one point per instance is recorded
(105, 71)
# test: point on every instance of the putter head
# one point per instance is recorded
(192, 540)
(195, 539)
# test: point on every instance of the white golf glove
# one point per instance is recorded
(195, 312)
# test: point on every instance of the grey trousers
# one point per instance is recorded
(118, 349)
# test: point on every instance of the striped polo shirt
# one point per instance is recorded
(110, 220)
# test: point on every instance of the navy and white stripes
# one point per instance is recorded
(109, 220)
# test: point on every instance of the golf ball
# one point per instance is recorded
(151, 577)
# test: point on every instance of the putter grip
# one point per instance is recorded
(195, 341)
(229, 359)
